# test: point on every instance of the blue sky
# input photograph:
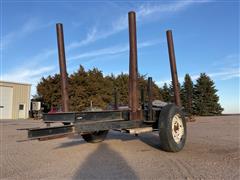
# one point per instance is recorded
(206, 38)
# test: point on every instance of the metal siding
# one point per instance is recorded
(6, 98)
(21, 95)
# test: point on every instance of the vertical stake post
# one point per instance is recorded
(133, 69)
(62, 64)
(150, 113)
(173, 67)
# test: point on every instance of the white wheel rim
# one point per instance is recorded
(177, 128)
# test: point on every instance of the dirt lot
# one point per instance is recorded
(212, 151)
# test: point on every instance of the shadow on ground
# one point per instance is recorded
(105, 163)
(73, 142)
(150, 139)
(112, 135)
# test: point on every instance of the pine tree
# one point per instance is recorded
(86, 86)
(166, 93)
(205, 101)
(171, 92)
(77, 90)
(50, 90)
(121, 85)
(187, 94)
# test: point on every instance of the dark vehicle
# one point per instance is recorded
(168, 119)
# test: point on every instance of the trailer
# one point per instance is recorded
(139, 117)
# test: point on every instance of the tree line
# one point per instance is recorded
(92, 86)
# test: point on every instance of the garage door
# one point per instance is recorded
(6, 99)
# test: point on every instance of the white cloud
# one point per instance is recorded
(91, 37)
(94, 34)
(111, 50)
(226, 74)
(100, 52)
(230, 60)
(148, 10)
(40, 57)
(227, 67)
(33, 74)
(24, 74)
(143, 13)
(31, 25)
(232, 56)
(31, 71)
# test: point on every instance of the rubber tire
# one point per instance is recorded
(167, 142)
(95, 137)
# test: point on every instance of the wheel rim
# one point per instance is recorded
(177, 128)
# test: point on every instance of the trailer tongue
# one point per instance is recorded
(93, 126)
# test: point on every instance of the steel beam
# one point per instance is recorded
(62, 64)
(50, 131)
(173, 67)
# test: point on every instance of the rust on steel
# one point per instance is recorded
(173, 67)
(62, 64)
(133, 67)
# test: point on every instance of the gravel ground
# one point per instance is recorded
(212, 151)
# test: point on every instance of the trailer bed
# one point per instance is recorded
(83, 127)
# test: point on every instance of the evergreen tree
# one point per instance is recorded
(77, 90)
(121, 85)
(166, 93)
(187, 94)
(205, 99)
(171, 92)
(50, 90)
(86, 86)
(89, 86)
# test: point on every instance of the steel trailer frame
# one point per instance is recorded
(135, 119)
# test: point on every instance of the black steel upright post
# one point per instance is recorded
(142, 97)
(173, 67)
(150, 113)
(62, 64)
(133, 70)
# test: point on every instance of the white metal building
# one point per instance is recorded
(14, 100)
